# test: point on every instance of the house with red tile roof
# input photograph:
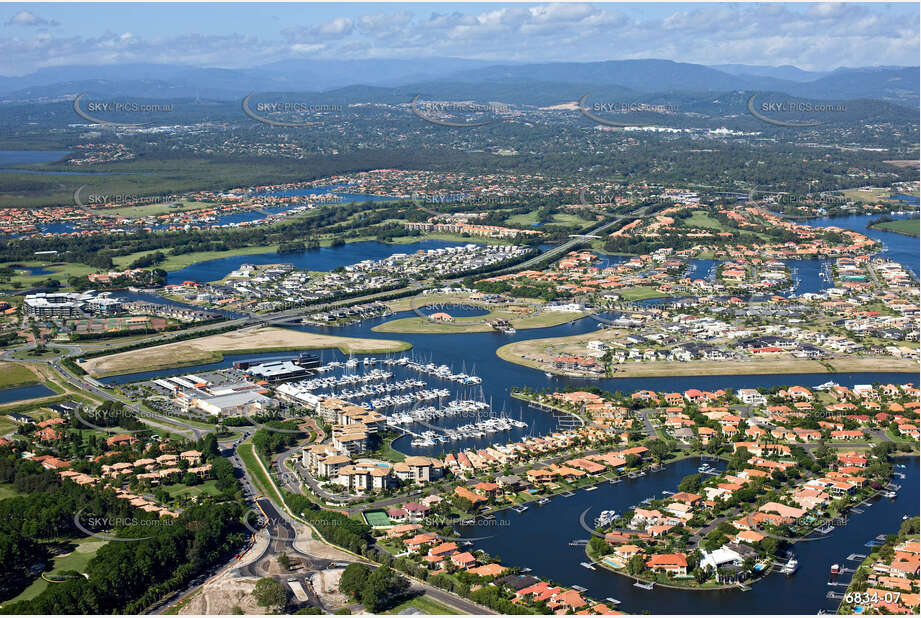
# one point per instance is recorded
(673, 564)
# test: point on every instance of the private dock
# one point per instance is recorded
(644, 585)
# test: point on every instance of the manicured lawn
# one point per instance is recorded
(477, 324)
(248, 456)
(700, 218)
(875, 194)
(426, 605)
(152, 210)
(13, 375)
(179, 490)
(77, 560)
(178, 262)
(58, 271)
(523, 220)
(640, 293)
(388, 453)
(7, 491)
(909, 227)
(564, 217)
(7, 426)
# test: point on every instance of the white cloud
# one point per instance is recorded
(28, 18)
(809, 36)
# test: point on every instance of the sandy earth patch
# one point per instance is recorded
(211, 349)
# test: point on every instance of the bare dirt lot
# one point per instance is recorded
(212, 348)
(221, 595)
(326, 585)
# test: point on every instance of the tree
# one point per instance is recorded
(284, 561)
(769, 545)
(270, 593)
(690, 483)
(636, 565)
(657, 448)
(353, 578)
(598, 546)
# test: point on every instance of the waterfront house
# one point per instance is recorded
(511, 481)
(464, 560)
(402, 530)
(627, 551)
(783, 510)
(463, 492)
(488, 570)
(416, 542)
(749, 536)
(751, 396)
(672, 564)
(692, 500)
(443, 550)
(487, 489)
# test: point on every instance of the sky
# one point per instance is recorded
(237, 35)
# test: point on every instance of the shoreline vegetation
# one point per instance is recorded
(212, 348)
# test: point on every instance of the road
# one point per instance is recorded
(567, 246)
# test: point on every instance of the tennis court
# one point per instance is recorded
(377, 519)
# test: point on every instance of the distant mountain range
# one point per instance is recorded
(555, 81)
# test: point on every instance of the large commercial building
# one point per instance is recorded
(70, 304)
(235, 404)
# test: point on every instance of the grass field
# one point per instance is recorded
(873, 194)
(60, 271)
(526, 219)
(640, 293)
(426, 605)
(14, 374)
(77, 560)
(908, 227)
(476, 324)
(248, 457)
(7, 491)
(212, 348)
(178, 262)
(151, 210)
(565, 217)
(208, 488)
(700, 218)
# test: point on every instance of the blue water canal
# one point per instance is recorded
(21, 393)
(474, 353)
(321, 259)
(539, 539)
